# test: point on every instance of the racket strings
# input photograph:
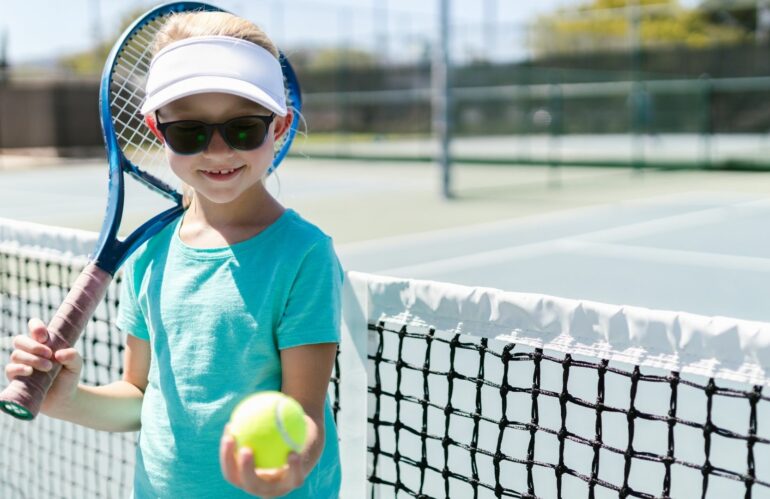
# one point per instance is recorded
(131, 68)
(138, 143)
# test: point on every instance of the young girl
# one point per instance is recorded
(240, 295)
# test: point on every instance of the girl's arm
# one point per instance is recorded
(113, 407)
(306, 373)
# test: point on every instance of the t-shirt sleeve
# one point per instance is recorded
(130, 317)
(313, 308)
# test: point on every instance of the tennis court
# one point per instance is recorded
(465, 399)
(578, 310)
(683, 240)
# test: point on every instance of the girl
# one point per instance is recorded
(240, 295)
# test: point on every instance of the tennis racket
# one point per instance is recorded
(132, 148)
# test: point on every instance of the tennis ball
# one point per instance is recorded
(272, 425)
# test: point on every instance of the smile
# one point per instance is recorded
(221, 174)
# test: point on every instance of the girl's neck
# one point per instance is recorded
(208, 225)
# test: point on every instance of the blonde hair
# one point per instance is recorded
(192, 24)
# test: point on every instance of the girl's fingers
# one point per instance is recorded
(270, 475)
(37, 330)
(295, 470)
(70, 359)
(227, 459)
(264, 483)
(33, 361)
(281, 481)
(13, 371)
(245, 465)
(238, 468)
(30, 345)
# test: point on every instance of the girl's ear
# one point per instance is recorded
(282, 125)
(153, 126)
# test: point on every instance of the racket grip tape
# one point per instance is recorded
(23, 396)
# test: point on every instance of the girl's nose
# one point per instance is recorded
(217, 145)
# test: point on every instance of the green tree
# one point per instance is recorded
(626, 24)
(340, 57)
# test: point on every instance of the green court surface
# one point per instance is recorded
(684, 240)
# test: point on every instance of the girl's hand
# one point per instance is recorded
(30, 353)
(238, 469)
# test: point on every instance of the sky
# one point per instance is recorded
(45, 29)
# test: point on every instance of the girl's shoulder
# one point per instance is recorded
(301, 231)
(304, 243)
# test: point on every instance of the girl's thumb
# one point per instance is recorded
(69, 358)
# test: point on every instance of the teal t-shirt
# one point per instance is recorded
(216, 320)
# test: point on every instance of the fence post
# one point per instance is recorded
(707, 119)
(555, 129)
(442, 102)
(639, 101)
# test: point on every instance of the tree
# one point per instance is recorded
(327, 58)
(628, 24)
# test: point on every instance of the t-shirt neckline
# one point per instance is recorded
(227, 251)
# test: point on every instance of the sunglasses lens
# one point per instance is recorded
(245, 133)
(187, 137)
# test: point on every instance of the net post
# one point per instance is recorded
(352, 418)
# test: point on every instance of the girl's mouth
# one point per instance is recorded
(224, 174)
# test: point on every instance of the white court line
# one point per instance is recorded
(685, 220)
(678, 257)
(462, 232)
(475, 230)
(551, 246)
(480, 259)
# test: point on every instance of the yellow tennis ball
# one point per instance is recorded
(272, 425)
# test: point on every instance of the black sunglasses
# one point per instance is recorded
(192, 137)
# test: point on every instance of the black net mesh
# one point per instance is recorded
(459, 416)
(51, 458)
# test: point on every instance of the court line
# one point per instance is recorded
(671, 256)
(475, 230)
(556, 245)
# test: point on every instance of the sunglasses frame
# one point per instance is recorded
(209, 131)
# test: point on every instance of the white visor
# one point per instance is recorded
(215, 64)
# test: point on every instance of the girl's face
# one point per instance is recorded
(220, 173)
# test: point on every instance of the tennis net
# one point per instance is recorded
(448, 391)
(51, 458)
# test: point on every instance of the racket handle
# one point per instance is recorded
(24, 395)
